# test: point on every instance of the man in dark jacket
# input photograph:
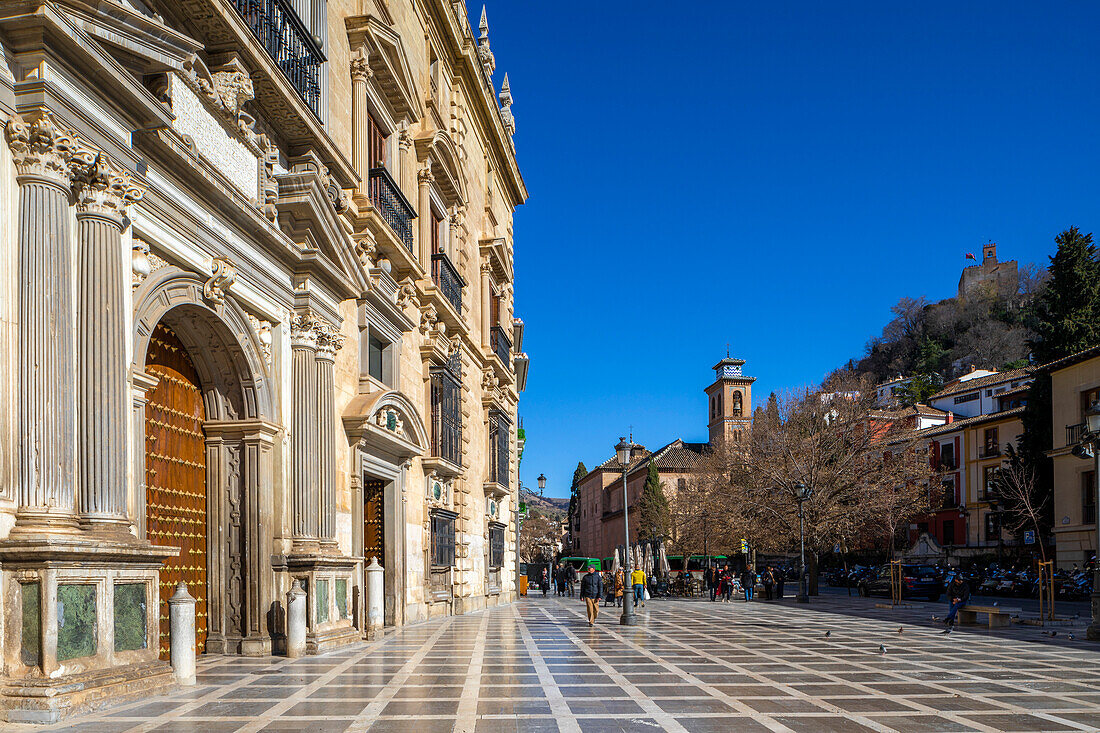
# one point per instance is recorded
(710, 575)
(958, 593)
(591, 592)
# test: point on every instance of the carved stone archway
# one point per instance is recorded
(240, 435)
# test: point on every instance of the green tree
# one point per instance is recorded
(653, 514)
(920, 388)
(574, 499)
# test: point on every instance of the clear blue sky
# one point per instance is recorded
(770, 174)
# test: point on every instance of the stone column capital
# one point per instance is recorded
(102, 188)
(303, 331)
(329, 341)
(425, 174)
(404, 137)
(360, 66)
(41, 148)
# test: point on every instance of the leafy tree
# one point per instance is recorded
(653, 513)
(574, 498)
(920, 388)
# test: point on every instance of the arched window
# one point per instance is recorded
(737, 403)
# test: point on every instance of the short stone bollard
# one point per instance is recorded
(181, 638)
(295, 621)
(375, 598)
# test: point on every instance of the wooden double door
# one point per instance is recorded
(175, 476)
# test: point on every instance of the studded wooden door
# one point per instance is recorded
(374, 543)
(175, 476)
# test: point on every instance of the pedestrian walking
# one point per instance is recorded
(561, 581)
(591, 591)
(620, 586)
(544, 581)
(958, 593)
(571, 578)
(780, 574)
(769, 583)
(726, 579)
(748, 583)
(710, 575)
(637, 579)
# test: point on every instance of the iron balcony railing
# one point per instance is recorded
(289, 43)
(502, 346)
(1074, 433)
(446, 417)
(392, 205)
(447, 279)
(989, 451)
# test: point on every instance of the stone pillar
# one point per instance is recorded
(47, 402)
(360, 148)
(303, 436)
(424, 212)
(375, 598)
(486, 304)
(329, 343)
(103, 193)
(404, 159)
(295, 621)
(181, 634)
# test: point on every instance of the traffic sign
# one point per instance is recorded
(1029, 537)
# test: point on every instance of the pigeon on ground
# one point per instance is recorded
(935, 617)
(900, 629)
(881, 648)
(995, 603)
(1071, 637)
(828, 634)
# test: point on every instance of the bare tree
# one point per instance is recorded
(539, 538)
(1025, 505)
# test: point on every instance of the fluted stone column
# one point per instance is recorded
(360, 148)
(103, 193)
(405, 158)
(486, 304)
(303, 438)
(42, 153)
(329, 343)
(424, 214)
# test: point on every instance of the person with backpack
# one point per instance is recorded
(748, 583)
(769, 581)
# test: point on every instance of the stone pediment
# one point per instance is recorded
(386, 422)
(440, 150)
(136, 34)
(388, 61)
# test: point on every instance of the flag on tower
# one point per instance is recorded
(970, 256)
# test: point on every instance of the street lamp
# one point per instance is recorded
(801, 495)
(1092, 424)
(623, 453)
(542, 482)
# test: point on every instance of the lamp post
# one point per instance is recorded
(802, 493)
(1092, 420)
(624, 452)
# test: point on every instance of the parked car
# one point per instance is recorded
(918, 581)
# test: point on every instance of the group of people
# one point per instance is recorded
(595, 587)
(563, 578)
(723, 583)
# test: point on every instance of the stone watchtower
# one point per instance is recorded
(729, 401)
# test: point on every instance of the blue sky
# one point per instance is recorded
(774, 175)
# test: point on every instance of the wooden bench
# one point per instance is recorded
(999, 616)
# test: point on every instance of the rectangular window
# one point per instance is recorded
(948, 531)
(992, 527)
(376, 347)
(967, 398)
(447, 411)
(947, 456)
(499, 453)
(437, 243)
(496, 546)
(1088, 399)
(376, 143)
(989, 482)
(949, 493)
(992, 444)
(443, 539)
(1088, 497)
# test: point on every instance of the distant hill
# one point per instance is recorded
(549, 506)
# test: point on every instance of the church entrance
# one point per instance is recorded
(175, 476)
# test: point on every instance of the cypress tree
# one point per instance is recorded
(653, 517)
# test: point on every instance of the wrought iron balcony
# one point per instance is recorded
(289, 43)
(1074, 433)
(502, 346)
(448, 280)
(446, 417)
(392, 205)
(989, 451)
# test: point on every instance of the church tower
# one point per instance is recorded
(729, 401)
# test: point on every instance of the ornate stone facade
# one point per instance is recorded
(278, 338)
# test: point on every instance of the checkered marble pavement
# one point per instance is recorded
(690, 665)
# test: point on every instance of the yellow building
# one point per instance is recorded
(1075, 386)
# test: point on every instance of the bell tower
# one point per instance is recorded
(729, 401)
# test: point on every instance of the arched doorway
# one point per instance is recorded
(175, 475)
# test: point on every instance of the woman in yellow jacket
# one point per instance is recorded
(637, 579)
(620, 584)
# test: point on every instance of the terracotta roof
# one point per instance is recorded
(679, 454)
(1072, 359)
(979, 382)
(969, 421)
(928, 411)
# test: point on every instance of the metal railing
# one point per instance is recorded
(1074, 433)
(989, 451)
(289, 43)
(447, 279)
(392, 205)
(446, 417)
(501, 344)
